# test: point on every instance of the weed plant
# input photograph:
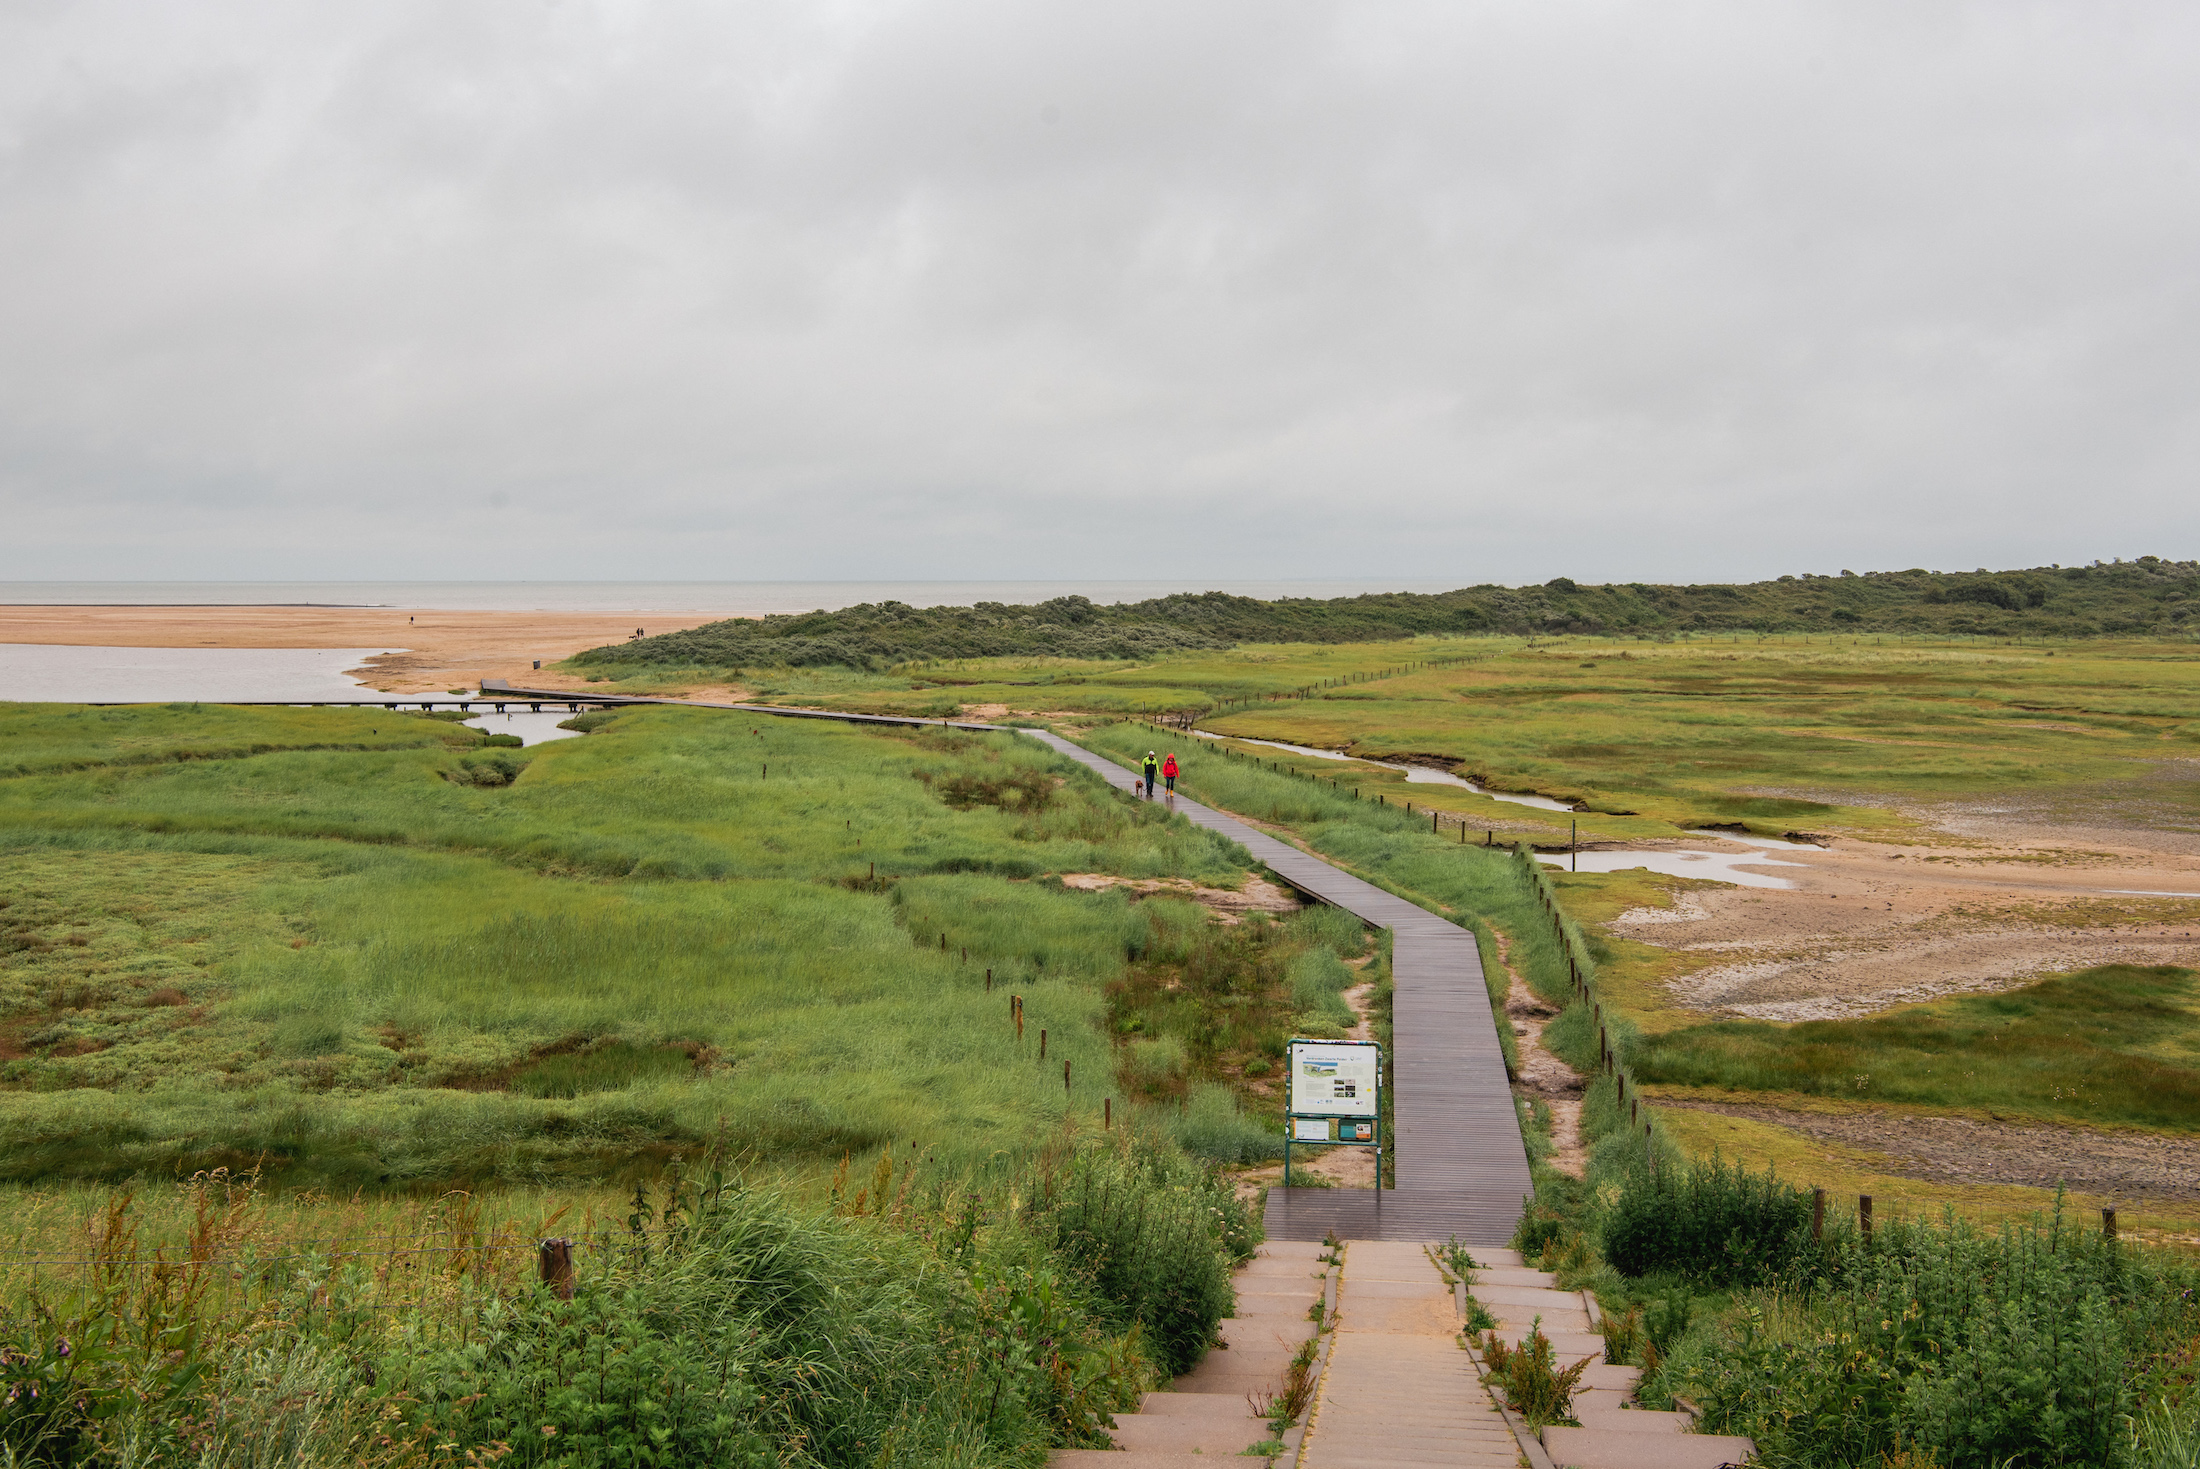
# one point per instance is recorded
(1533, 1384)
(919, 1319)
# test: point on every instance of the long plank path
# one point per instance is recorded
(1461, 1167)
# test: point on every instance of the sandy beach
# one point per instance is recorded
(428, 650)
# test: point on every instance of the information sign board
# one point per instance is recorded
(1335, 1078)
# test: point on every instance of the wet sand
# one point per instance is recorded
(1868, 925)
(429, 650)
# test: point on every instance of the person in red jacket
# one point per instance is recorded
(1168, 772)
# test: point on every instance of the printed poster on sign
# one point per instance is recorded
(1334, 1078)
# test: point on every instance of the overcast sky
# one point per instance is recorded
(1205, 290)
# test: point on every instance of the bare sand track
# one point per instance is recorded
(430, 650)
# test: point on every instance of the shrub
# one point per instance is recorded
(486, 770)
(1155, 1238)
(2017, 1348)
(1711, 1221)
(1529, 1377)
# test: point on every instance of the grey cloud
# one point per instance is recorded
(1490, 292)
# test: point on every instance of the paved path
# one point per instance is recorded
(1398, 1389)
(1461, 1166)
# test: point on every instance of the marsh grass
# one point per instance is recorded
(2105, 1047)
(340, 966)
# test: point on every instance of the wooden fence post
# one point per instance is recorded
(1817, 1213)
(555, 1257)
(1864, 1214)
(2108, 1223)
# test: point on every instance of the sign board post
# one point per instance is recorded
(1334, 1096)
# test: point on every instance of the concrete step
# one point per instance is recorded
(1552, 1322)
(1357, 1289)
(1262, 1332)
(1167, 1404)
(1614, 1376)
(1275, 1303)
(1567, 1346)
(1118, 1459)
(1504, 1275)
(1527, 1298)
(1596, 1448)
(1144, 1433)
(1629, 1420)
(1290, 1249)
(1219, 1375)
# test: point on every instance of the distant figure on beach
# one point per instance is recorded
(1168, 772)
(1152, 765)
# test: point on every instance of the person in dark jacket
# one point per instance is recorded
(1149, 769)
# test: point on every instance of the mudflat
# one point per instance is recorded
(428, 649)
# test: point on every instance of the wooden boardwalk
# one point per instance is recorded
(1462, 1169)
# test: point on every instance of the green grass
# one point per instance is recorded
(2113, 1046)
(1773, 734)
(48, 737)
(346, 966)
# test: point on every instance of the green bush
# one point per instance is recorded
(1156, 1239)
(1710, 1221)
(2022, 1348)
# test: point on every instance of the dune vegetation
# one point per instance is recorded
(2146, 596)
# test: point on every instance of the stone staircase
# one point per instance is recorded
(1208, 1412)
(1398, 1393)
(1613, 1434)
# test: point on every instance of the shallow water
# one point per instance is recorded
(1415, 774)
(532, 728)
(44, 673)
(1711, 866)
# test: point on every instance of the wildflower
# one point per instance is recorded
(61, 1347)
